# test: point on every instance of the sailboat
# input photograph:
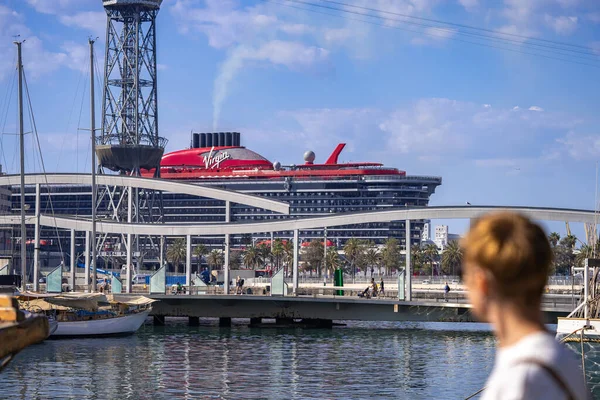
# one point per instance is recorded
(583, 323)
(82, 314)
(90, 314)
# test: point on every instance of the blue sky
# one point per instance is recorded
(499, 126)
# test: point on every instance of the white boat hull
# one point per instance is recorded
(122, 325)
(567, 326)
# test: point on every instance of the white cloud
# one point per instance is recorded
(469, 5)
(37, 60)
(58, 6)
(434, 35)
(563, 25)
(536, 108)
(93, 21)
(336, 35)
(434, 128)
(581, 147)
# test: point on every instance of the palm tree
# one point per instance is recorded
(452, 257)
(288, 254)
(251, 257)
(352, 251)
(372, 258)
(432, 254)
(176, 252)
(314, 255)
(200, 251)
(417, 257)
(264, 252)
(333, 259)
(553, 238)
(390, 255)
(215, 258)
(278, 252)
(235, 259)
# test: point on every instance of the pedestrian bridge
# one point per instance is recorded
(317, 308)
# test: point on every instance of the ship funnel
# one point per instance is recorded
(195, 140)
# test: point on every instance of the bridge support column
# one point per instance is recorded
(129, 247)
(255, 321)
(36, 248)
(188, 265)
(226, 258)
(87, 261)
(73, 259)
(224, 322)
(194, 321)
(408, 269)
(159, 320)
(295, 267)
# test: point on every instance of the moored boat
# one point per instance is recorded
(90, 314)
(583, 323)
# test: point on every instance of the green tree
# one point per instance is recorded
(176, 253)
(314, 255)
(333, 259)
(215, 258)
(372, 258)
(564, 257)
(353, 252)
(278, 252)
(288, 255)
(553, 238)
(390, 255)
(235, 259)
(417, 258)
(264, 253)
(452, 258)
(200, 251)
(432, 255)
(251, 257)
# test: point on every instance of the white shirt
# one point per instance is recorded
(513, 378)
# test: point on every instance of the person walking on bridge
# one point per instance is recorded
(507, 259)
(446, 291)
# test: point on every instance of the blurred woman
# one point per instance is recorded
(507, 259)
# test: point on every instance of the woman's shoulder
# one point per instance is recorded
(538, 368)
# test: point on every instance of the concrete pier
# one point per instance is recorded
(224, 322)
(194, 321)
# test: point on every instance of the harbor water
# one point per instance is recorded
(358, 361)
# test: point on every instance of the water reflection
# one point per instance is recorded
(177, 361)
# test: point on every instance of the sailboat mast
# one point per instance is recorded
(22, 154)
(93, 131)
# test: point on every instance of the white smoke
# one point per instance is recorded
(227, 72)
(294, 55)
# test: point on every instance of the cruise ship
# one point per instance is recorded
(312, 188)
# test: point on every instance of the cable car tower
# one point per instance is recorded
(128, 140)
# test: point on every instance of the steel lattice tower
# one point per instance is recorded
(129, 137)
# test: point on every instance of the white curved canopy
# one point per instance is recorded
(448, 212)
(150, 184)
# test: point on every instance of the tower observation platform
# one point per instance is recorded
(129, 138)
